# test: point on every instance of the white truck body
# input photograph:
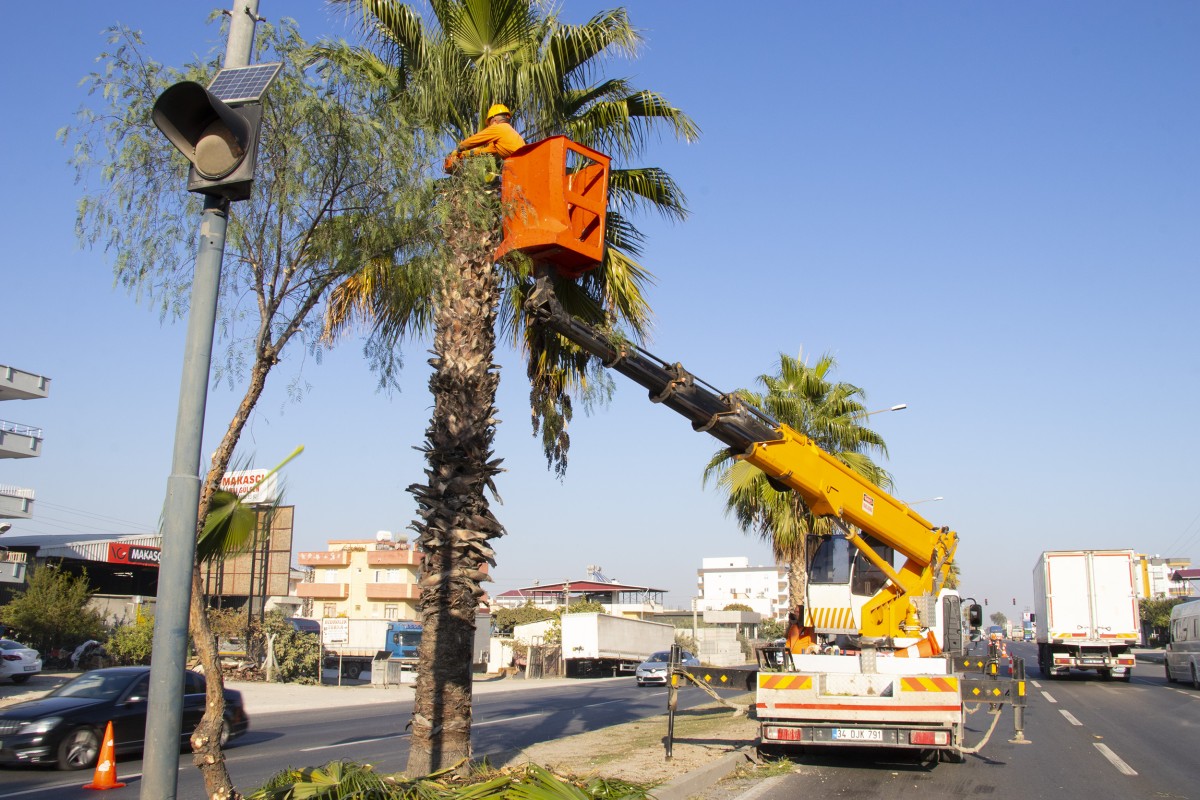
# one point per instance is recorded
(354, 637)
(594, 643)
(839, 700)
(1086, 606)
(351, 645)
(605, 636)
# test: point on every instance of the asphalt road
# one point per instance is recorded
(503, 721)
(1088, 738)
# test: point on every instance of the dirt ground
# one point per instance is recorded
(636, 751)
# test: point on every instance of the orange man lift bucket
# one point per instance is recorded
(555, 196)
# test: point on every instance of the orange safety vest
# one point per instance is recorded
(499, 139)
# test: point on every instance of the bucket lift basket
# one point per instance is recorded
(555, 196)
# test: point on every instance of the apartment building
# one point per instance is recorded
(17, 440)
(727, 580)
(361, 578)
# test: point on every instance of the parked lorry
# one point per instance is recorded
(1086, 606)
(352, 645)
(601, 644)
(875, 656)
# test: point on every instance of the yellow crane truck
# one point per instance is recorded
(877, 655)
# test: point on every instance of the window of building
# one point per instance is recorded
(391, 612)
(330, 610)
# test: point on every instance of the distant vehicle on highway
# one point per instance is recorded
(995, 632)
(654, 668)
(66, 726)
(1183, 649)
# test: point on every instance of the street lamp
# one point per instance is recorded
(926, 500)
(897, 407)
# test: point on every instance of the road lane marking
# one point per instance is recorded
(1049, 699)
(1114, 759)
(1036, 685)
(1070, 717)
(608, 702)
(505, 719)
(353, 742)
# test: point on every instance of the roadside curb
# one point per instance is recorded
(698, 780)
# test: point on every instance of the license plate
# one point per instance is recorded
(858, 734)
(30, 669)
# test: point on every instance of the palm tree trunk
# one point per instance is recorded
(455, 519)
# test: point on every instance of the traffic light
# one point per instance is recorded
(221, 141)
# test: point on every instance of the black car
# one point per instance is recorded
(67, 725)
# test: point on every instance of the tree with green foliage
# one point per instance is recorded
(832, 414)
(737, 607)
(998, 618)
(52, 610)
(451, 65)
(1155, 613)
(505, 619)
(295, 656)
(770, 629)
(341, 186)
(132, 642)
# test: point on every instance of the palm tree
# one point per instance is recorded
(448, 69)
(804, 398)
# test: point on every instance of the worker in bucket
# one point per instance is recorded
(499, 138)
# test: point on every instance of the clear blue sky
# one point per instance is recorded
(988, 211)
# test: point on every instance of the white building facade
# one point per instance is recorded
(726, 580)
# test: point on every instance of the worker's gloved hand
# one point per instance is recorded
(451, 162)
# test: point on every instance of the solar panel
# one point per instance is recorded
(243, 84)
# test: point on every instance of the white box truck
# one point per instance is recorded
(602, 644)
(352, 645)
(1086, 606)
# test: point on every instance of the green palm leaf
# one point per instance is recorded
(229, 526)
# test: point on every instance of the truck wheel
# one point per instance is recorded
(1170, 677)
(352, 670)
(1195, 678)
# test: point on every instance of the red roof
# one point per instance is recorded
(577, 587)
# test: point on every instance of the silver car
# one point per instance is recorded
(18, 662)
(654, 668)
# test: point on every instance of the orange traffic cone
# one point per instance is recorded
(105, 776)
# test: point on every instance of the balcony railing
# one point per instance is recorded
(324, 558)
(393, 591)
(19, 429)
(323, 591)
(393, 558)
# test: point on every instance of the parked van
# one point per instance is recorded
(1183, 650)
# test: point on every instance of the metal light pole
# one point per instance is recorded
(164, 712)
(897, 407)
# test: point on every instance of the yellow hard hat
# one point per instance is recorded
(498, 108)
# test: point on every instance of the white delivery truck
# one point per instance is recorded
(352, 645)
(601, 644)
(1086, 606)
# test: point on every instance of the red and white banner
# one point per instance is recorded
(240, 483)
(119, 553)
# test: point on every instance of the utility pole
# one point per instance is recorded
(164, 717)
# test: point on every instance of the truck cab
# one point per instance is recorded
(403, 639)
